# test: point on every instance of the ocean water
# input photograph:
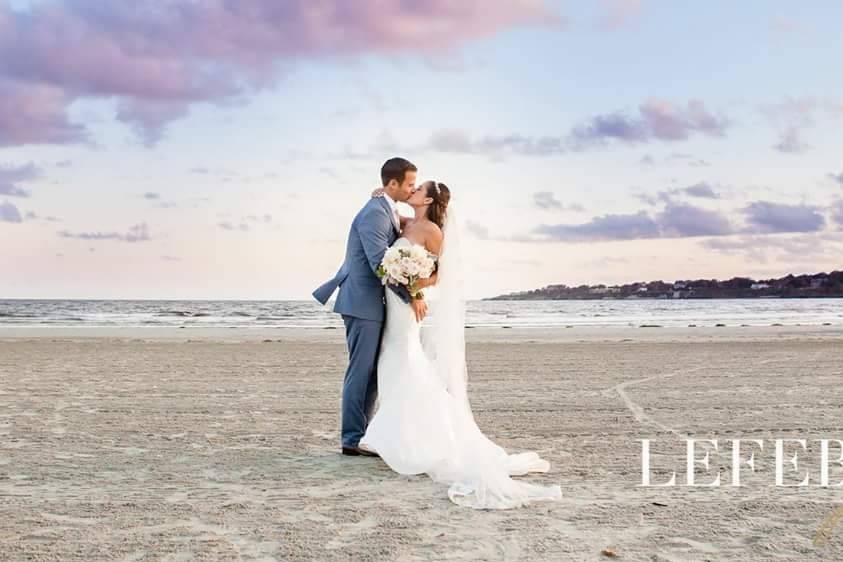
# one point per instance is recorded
(309, 314)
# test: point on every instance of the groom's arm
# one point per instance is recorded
(374, 235)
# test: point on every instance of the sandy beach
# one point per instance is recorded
(190, 444)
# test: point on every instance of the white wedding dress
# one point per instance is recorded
(423, 423)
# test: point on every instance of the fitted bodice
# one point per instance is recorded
(405, 242)
(400, 325)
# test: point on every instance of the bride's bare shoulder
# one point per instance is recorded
(433, 237)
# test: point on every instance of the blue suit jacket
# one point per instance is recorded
(361, 290)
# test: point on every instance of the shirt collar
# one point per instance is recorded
(392, 204)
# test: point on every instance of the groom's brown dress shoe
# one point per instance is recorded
(358, 452)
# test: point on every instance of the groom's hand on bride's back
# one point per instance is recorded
(420, 308)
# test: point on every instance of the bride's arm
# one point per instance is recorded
(425, 283)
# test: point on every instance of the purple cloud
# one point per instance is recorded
(33, 113)
(766, 217)
(677, 220)
(657, 119)
(20, 173)
(13, 191)
(136, 233)
(158, 58)
(9, 176)
(606, 227)
(9, 213)
(613, 126)
(701, 189)
(838, 178)
(681, 220)
(149, 118)
(548, 201)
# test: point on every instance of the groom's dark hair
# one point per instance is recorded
(396, 169)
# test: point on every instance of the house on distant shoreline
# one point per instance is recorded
(603, 290)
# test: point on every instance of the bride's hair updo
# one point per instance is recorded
(440, 194)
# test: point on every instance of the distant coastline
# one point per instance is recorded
(817, 285)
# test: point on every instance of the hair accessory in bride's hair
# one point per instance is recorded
(436, 185)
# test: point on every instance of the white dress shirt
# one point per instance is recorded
(394, 207)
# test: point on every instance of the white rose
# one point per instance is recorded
(413, 268)
(418, 253)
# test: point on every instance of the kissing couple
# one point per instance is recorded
(404, 396)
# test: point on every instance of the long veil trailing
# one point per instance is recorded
(479, 470)
(443, 333)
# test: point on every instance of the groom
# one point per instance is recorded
(361, 298)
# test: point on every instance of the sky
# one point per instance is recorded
(220, 149)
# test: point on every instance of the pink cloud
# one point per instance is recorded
(657, 119)
(160, 57)
(668, 121)
(33, 113)
(619, 13)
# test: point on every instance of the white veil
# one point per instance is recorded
(479, 470)
(443, 334)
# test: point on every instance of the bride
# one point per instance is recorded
(424, 422)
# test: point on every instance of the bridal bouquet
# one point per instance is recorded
(405, 266)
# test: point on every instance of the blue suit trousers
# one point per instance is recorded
(360, 386)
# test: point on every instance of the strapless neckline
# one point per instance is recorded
(407, 240)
